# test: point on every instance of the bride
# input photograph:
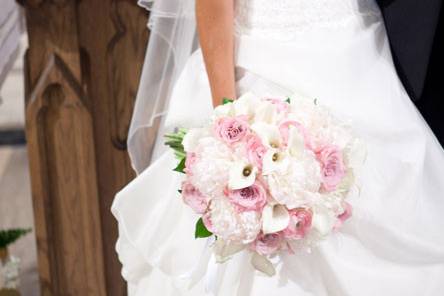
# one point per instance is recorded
(333, 50)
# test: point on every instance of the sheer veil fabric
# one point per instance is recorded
(172, 41)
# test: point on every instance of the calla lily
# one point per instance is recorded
(266, 112)
(224, 250)
(323, 222)
(241, 175)
(223, 110)
(192, 137)
(274, 218)
(246, 104)
(262, 264)
(269, 134)
(295, 141)
(274, 160)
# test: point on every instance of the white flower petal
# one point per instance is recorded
(269, 134)
(223, 110)
(295, 141)
(323, 221)
(266, 112)
(224, 250)
(274, 218)
(270, 164)
(192, 137)
(230, 225)
(262, 264)
(246, 104)
(237, 180)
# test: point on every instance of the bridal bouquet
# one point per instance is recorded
(268, 175)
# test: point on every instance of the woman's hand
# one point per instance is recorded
(215, 24)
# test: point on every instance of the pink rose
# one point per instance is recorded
(255, 151)
(206, 219)
(300, 223)
(266, 244)
(332, 166)
(231, 129)
(252, 198)
(190, 160)
(348, 210)
(194, 198)
(281, 105)
(284, 129)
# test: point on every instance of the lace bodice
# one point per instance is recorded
(281, 19)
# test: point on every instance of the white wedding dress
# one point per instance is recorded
(336, 51)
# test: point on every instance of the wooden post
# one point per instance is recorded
(82, 70)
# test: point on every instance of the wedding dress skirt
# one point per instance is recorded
(394, 243)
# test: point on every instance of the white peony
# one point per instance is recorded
(192, 138)
(322, 126)
(230, 225)
(297, 183)
(210, 172)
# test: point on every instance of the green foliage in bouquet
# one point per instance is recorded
(226, 101)
(174, 141)
(201, 230)
(9, 236)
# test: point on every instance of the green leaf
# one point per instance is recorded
(174, 141)
(201, 230)
(181, 166)
(226, 101)
(179, 154)
(9, 236)
(288, 100)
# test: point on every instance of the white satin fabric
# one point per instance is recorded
(394, 243)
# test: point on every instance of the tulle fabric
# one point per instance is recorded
(172, 40)
(393, 245)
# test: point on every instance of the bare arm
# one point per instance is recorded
(215, 27)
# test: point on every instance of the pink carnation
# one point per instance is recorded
(194, 198)
(332, 166)
(231, 129)
(255, 151)
(300, 223)
(190, 160)
(266, 244)
(252, 198)
(284, 129)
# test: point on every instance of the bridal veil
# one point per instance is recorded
(172, 40)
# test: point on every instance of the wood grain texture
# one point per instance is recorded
(82, 70)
